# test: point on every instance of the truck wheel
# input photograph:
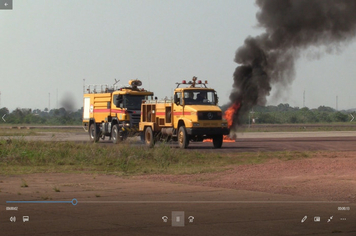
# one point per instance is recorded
(218, 141)
(115, 134)
(94, 133)
(149, 138)
(183, 137)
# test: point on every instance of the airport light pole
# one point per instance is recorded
(83, 86)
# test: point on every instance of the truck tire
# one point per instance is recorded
(94, 133)
(115, 134)
(218, 141)
(149, 138)
(183, 137)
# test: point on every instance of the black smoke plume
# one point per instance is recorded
(291, 26)
(68, 102)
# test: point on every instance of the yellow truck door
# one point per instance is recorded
(178, 109)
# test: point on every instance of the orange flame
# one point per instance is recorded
(226, 139)
(230, 112)
(229, 116)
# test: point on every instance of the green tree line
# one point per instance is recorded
(285, 114)
(281, 114)
(46, 117)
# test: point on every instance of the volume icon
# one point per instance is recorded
(13, 219)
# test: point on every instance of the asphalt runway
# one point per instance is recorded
(284, 144)
(245, 142)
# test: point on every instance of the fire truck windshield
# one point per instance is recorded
(199, 97)
(133, 102)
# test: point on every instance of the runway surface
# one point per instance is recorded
(245, 142)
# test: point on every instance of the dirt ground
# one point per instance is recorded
(113, 205)
(326, 176)
(257, 199)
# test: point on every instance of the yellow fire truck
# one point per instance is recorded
(113, 111)
(193, 115)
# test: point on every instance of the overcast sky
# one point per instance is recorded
(48, 46)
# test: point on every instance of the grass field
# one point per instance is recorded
(18, 156)
(23, 157)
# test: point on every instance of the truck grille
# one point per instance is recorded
(209, 115)
(135, 118)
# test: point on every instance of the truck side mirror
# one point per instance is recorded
(216, 98)
(176, 100)
(119, 101)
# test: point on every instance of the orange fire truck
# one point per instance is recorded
(193, 115)
(113, 111)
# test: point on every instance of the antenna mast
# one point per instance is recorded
(116, 81)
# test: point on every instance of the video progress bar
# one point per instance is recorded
(73, 202)
(216, 202)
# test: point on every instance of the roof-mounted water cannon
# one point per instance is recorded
(135, 83)
(193, 82)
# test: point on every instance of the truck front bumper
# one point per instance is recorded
(208, 131)
(131, 130)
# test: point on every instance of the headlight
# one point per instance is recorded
(196, 124)
(223, 124)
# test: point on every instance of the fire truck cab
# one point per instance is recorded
(113, 111)
(192, 115)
